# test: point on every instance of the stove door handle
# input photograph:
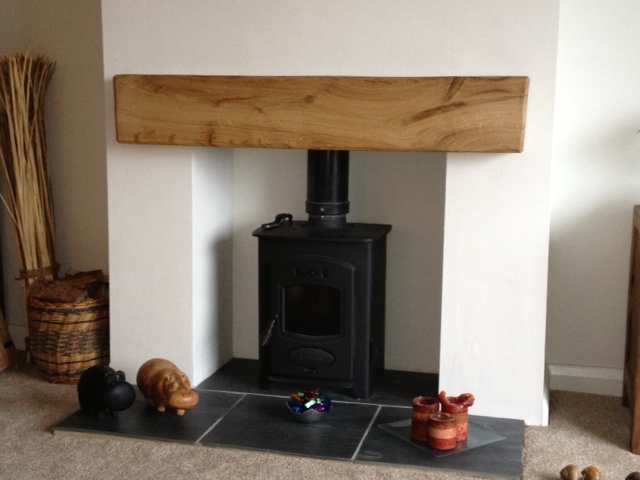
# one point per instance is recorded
(265, 338)
(279, 220)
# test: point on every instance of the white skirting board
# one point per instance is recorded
(597, 380)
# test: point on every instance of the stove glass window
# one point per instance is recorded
(313, 310)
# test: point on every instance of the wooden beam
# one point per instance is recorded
(461, 114)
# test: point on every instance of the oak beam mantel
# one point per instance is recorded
(411, 114)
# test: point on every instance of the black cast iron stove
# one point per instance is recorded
(322, 288)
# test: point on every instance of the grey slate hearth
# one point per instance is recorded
(234, 412)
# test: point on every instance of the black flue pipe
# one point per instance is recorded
(327, 188)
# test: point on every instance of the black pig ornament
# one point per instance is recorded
(102, 390)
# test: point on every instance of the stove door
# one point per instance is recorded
(311, 302)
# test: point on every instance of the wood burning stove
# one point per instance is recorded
(322, 288)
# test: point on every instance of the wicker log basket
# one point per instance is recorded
(69, 325)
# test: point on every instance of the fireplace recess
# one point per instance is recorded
(322, 288)
(399, 114)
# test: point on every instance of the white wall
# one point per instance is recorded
(212, 291)
(69, 33)
(596, 183)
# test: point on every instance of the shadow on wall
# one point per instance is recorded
(407, 190)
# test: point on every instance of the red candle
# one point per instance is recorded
(442, 431)
(423, 408)
(459, 408)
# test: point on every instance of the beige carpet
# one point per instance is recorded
(584, 429)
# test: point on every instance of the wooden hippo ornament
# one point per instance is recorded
(103, 390)
(163, 385)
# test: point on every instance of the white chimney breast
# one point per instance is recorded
(496, 207)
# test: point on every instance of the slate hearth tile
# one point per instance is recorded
(502, 459)
(143, 421)
(264, 423)
(394, 388)
(237, 375)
